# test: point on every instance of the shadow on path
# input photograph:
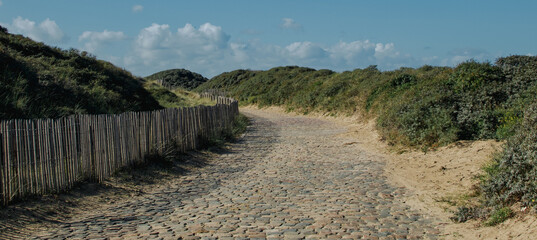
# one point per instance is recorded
(140, 193)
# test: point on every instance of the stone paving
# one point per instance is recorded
(288, 178)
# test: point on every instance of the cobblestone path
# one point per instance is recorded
(289, 178)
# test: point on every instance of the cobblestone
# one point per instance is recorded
(288, 178)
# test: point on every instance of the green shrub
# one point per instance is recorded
(464, 214)
(513, 175)
(521, 73)
(498, 216)
(180, 78)
(420, 117)
(403, 80)
(479, 92)
(472, 76)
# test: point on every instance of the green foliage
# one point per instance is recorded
(472, 75)
(513, 175)
(521, 72)
(164, 96)
(418, 112)
(425, 107)
(498, 216)
(182, 78)
(403, 80)
(492, 218)
(38, 81)
(240, 124)
(480, 93)
(464, 214)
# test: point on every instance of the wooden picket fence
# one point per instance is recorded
(39, 156)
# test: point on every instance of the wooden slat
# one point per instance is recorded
(46, 155)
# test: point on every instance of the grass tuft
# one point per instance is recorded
(498, 216)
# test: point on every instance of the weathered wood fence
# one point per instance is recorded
(40, 156)
(216, 92)
(165, 84)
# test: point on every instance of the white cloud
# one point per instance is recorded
(137, 8)
(305, 50)
(158, 46)
(1, 3)
(289, 23)
(385, 50)
(210, 36)
(208, 50)
(47, 31)
(94, 40)
(353, 53)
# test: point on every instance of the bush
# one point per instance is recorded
(414, 112)
(464, 214)
(418, 125)
(178, 78)
(521, 73)
(403, 79)
(471, 76)
(479, 91)
(513, 175)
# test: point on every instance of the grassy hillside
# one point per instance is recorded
(179, 78)
(421, 108)
(175, 98)
(39, 81)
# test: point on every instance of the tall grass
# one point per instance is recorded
(175, 98)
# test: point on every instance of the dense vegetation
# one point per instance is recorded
(38, 81)
(421, 108)
(181, 78)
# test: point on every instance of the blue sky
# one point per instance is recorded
(211, 37)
